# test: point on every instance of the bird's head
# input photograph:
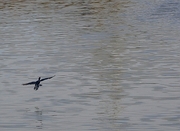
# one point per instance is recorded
(39, 78)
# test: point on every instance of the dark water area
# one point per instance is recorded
(116, 64)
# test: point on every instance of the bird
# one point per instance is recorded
(37, 83)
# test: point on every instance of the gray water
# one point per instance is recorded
(117, 65)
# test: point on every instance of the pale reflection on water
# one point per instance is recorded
(116, 65)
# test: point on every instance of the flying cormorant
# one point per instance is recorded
(37, 83)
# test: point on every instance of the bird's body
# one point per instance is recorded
(37, 83)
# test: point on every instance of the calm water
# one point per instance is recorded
(117, 65)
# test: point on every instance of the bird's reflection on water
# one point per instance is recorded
(39, 121)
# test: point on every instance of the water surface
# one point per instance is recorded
(116, 65)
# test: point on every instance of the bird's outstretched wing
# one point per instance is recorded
(30, 83)
(47, 78)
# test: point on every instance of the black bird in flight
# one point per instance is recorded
(37, 83)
